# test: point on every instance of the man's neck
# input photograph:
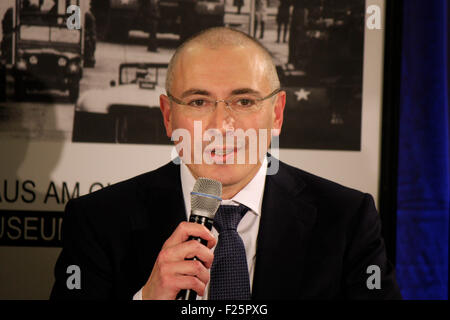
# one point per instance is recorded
(229, 191)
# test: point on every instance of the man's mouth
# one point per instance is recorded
(222, 151)
(223, 154)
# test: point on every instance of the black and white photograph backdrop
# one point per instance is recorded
(102, 83)
(79, 107)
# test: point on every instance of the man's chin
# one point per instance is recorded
(227, 174)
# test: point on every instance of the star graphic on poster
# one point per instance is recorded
(302, 94)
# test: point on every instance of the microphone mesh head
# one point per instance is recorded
(207, 197)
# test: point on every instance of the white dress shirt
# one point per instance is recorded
(251, 196)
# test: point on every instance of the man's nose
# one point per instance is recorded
(222, 117)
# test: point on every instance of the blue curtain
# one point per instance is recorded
(423, 176)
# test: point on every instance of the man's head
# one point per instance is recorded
(217, 64)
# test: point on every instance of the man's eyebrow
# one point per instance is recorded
(244, 91)
(203, 92)
(194, 91)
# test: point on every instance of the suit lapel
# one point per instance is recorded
(162, 210)
(162, 197)
(284, 232)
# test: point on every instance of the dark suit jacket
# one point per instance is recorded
(316, 238)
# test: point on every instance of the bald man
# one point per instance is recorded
(304, 237)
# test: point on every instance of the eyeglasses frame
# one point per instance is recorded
(227, 102)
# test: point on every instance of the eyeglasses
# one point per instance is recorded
(240, 104)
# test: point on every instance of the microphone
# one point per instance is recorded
(205, 200)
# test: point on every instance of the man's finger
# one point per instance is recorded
(187, 250)
(189, 282)
(188, 268)
(187, 229)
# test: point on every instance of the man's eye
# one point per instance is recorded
(197, 103)
(245, 102)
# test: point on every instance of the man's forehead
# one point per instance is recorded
(227, 62)
(221, 69)
(200, 53)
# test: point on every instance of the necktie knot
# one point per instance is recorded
(228, 217)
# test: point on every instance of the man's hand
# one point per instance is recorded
(172, 273)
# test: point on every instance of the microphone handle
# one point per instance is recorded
(208, 223)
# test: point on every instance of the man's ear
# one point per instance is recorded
(164, 105)
(278, 112)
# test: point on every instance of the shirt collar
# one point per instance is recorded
(251, 195)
